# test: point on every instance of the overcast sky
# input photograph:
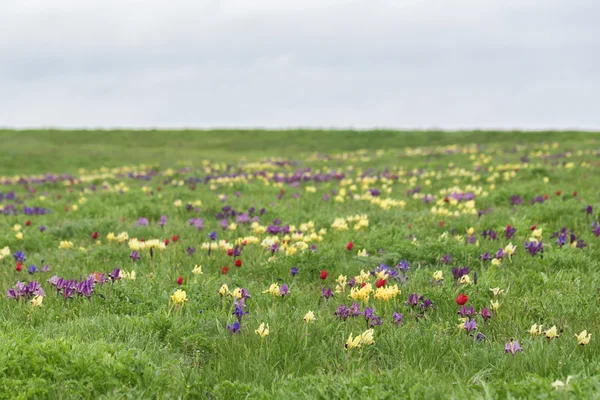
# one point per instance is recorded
(288, 63)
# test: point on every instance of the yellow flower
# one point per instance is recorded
(465, 280)
(510, 249)
(470, 231)
(273, 290)
(438, 276)
(110, 237)
(65, 244)
(74, 207)
(494, 305)
(535, 330)
(178, 203)
(537, 233)
(496, 262)
(237, 293)
(309, 317)
(197, 270)
(16, 228)
(223, 290)
(583, 338)
(367, 337)
(381, 274)
(262, 331)
(551, 333)
(352, 343)
(362, 253)
(19, 235)
(496, 291)
(362, 293)
(37, 301)
(362, 278)
(179, 297)
(462, 323)
(4, 252)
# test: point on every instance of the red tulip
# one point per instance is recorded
(19, 266)
(558, 192)
(441, 223)
(238, 263)
(245, 242)
(174, 238)
(166, 242)
(532, 227)
(323, 275)
(158, 189)
(95, 235)
(546, 196)
(575, 193)
(180, 280)
(462, 299)
(230, 252)
(349, 246)
(380, 283)
(225, 270)
(27, 223)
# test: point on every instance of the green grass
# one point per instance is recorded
(129, 341)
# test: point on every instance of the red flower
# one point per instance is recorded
(546, 196)
(446, 199)
(66, 209)
(245, 242)
(380, 283)
(238, 263)
(19, 266)
(441, 223)
(575, 193)
(27, 223)
(180, 280)
(166, 242)
(323, 275)
(224, 270)
(349, 246)
(558, 192)
(158, 189)
(142, 240)
(230, 252)
(363, 284)
(95, 235)
(532, 227)
(174, 238)
(462, 299)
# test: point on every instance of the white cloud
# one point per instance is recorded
(451, 64)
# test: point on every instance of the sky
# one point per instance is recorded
(407, 64)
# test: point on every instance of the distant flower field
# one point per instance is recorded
(432, 270)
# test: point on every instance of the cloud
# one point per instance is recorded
(328, 63)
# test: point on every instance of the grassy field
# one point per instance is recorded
(379, 230)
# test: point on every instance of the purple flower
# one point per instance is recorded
(19, 256)
(53, 280)
(480, 337)
(283, 290)
(375, 321)
(237, 251)
(142, 222)
(326, 293)
(354, 310)
(352, 282)
(512, 347)
(212, 235)
(470, 325)
(32, 269)
(342, 312)
(485, 257)
(42, 228)
(115, 274)
(46, 268)
(447, 259)
(426, 304)
(294, 271)
(500, 254)
(466, 311)
(534, 247)
(135, 255)
(581, 244)
(239, 312)
(162, 221)
(589, 210)
(234, 328)
(397, 318)
(198, 223)
(485, 314)
(190, 250)
(515, 200)
(509, 232)
(403, 266)
(413, 299)
(460, 272)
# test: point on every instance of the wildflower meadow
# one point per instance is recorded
(299, 264)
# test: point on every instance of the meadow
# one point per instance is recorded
(299, 264)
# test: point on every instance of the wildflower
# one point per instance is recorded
(510, 249)
(323, 274)
(197, 270)
(551, 333)
(32, 269)
(223, 290)
(494, 305)
(238, 263)
(19, 235)
(309, 317)
(162, 221)
(135, 255)
(362, 253)
(326, 293)
(95, 235)
(19, 256)
(413, 299)
(353, 343)
(16, 228)
(397, 317)
(4, 252)
(65, 244)
(190, 250)
(496, 262)
(179, 297)
(180, 280)
(234, 328)
(37, 301)
(470, 325)
(284, 290)
(462, 299)
(262, 331)
(115, 274)
(512, 347)
(225, 270)
(294, 271)
(466, 311)
(558, 384)
(349, 246)
(213, 235)
(19, 266)
(464, 280)
(496, 291)
(485, 314)
(583, 338)
(438, 276)
(367, 337)
(273, 290)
